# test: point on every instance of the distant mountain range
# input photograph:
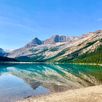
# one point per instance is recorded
(3, 57)
(54, 39)
(85, 49)
(2, 52)
(57, 38)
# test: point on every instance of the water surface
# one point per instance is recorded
(25, 80)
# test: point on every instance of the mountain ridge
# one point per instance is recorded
(60, 50)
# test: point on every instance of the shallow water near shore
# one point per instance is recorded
(21, 81)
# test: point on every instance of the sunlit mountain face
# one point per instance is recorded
(84, 49)
(38, 79)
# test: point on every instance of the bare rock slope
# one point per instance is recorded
(63, 50)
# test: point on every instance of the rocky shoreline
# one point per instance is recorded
(89, 94)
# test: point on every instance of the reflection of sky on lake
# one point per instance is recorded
(22, 81)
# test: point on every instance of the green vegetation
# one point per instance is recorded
(75, 57)
(54, 49)
(6, 59)
(89, 57)
(93, 57)
(54, 58)
(34, 58)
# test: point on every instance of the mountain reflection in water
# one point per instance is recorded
(24, 80)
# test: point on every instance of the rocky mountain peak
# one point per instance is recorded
(2, 52)
(55, 39)
(60, 38)
(74, 48)
(34, 42)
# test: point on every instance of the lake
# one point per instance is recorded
(21, 81)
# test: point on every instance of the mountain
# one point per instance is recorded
(86, 48)
(2, 52)
(3, 58)
(87, 51)
(59, 38)
(55, 39)
(34, 42)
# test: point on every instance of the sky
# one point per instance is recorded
(22, 20)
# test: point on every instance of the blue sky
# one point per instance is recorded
(22, 20)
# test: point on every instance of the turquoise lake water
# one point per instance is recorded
(21, 81)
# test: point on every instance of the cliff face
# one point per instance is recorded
(57, 38)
